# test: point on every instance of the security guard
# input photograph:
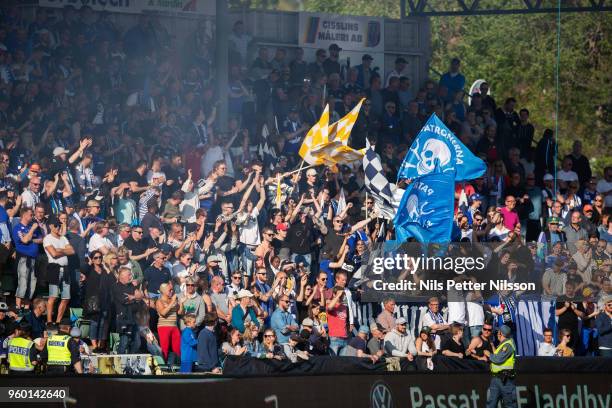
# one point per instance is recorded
(502, 368)
(61, 352)
(21, 351)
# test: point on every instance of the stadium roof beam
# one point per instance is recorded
(426, 8)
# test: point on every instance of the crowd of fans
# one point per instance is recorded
(120, 197)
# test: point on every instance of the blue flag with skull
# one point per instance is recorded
(426, 209)
(437, 150)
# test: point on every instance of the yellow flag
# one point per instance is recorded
(278, 192)
(315, 137)
(343, 127)
(335, 152)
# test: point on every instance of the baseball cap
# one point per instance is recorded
(165, 248)
(400, 320)
(364, 329)
(213, 258)
(367, 57)
(587, 208)
(283, 226)
(548, 177)
(242, 293)
(376, 326)
(335, 47)
(553, 220)
(59, 150)
(93, 203)
(475, 197)
(426, 329)
(296, 337)
(401, 60)
(307, 322)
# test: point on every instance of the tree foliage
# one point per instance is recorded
(517, 55)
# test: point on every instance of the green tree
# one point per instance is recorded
(517, 55)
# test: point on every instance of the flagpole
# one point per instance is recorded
(366, 205)
(300, 169)
(276, 125)
(324, 93)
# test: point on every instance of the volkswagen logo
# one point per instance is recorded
(380, 396)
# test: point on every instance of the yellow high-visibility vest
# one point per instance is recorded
(19, 354)
(509, 363)
(57, 350)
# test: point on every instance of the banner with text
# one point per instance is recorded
(364, 34)
(185, 7)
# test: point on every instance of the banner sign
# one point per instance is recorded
(124, 364)
(351, 33)
(113, 6)
(561, 386)
(206, 7)
(194, 7)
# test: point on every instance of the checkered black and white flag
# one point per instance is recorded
(265, 150)
(386, 196)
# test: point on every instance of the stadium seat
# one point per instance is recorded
(76, 315)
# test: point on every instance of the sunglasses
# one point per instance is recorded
(96, 257)
(236, 277)
(486, 330)
(137, 232)
(269, 335)
(190, 284)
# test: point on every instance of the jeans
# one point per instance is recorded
(26, 278)
(246, 261)
(150, 341)
(98, 327)
(588, 335)
(506, 391)
(337, 345)
(129, 340)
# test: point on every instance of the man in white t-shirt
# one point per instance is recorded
(604, 187)
(99, 240)
(58, 249)
(547, 348)
(247, 222)
(435, 320)
(565, 174)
